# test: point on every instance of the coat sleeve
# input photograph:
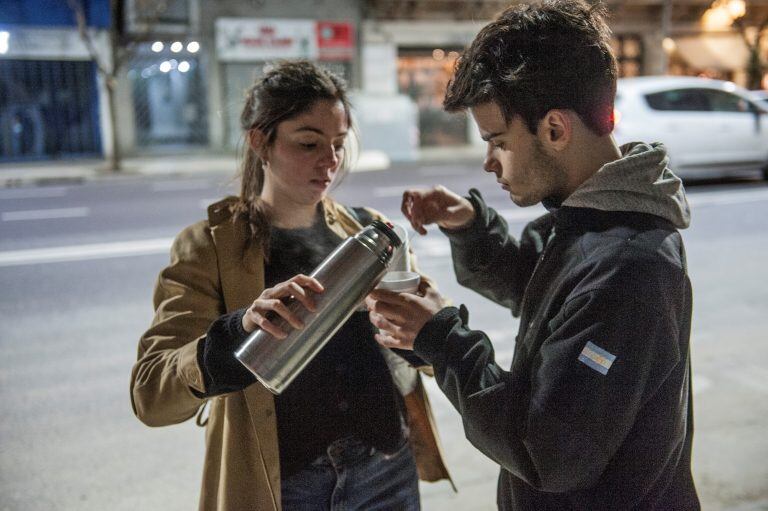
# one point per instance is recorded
(559, 429)
(488, 260)
(166, 381)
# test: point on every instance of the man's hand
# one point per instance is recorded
(436, 205)
(401, 316)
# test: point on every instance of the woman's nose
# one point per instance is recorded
(330, 157)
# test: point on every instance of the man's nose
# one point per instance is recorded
(491, 164)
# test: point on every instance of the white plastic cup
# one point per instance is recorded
(401, 260)
(400, 281)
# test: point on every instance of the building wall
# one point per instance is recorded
(225, 80)
(52, 102)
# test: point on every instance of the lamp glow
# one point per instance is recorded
(5, 38)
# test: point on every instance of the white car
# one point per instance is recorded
(711, 128)
(761, 96)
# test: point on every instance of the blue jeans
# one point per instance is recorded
(351, 477)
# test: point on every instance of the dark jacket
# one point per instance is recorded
(595, 412)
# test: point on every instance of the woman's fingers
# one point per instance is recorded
(279, 307)
(262, 322)
(302, 296)
(300, 287)
(308, 282)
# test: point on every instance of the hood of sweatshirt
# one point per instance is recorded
(639, 181)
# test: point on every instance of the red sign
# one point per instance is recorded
(335, 40)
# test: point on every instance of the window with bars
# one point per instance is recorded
(48, 109)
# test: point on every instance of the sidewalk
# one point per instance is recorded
(73, 171)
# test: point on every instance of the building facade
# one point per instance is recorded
(185, 85)
(51, 97)
(184, 66)
(410, 47)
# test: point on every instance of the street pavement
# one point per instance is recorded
(78, 258)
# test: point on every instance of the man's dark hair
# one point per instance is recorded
(535, 58)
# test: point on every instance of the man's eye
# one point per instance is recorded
(497, 145)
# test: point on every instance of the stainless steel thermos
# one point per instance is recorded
(348, 274)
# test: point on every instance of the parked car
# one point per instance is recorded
(761, 96)
(711, 128)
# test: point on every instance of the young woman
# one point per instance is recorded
(346, 433)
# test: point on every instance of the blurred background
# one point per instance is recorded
(119, 125)
(125, 78)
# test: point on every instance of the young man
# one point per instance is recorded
(595, 412)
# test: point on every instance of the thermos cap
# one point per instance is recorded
(386, 228)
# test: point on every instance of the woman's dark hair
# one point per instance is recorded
(287, 90)
(535, 58)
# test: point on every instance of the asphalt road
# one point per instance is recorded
(77, 266)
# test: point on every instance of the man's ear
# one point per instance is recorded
(257, 140)
(556, 129)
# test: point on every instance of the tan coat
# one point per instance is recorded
(212, 273)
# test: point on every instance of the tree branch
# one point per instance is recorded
(86, 36)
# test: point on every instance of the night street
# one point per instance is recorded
(78, 263)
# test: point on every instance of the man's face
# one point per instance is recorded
(517, 158)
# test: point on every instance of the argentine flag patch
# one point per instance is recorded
(597, 358)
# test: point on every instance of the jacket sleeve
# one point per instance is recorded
(166, 381)
(488, 260)
(558, 429)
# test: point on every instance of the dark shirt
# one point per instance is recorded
(346, 390)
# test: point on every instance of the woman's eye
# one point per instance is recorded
(308, 145)
(498, 145)
(338, 148)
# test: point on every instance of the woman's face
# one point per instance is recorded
(304, 158)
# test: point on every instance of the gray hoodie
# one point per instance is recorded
(639, 181)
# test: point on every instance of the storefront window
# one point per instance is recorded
(423, 74)
(628, 49)
(239, 77)
(48, 109)
(169, 97)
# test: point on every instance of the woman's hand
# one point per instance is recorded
(300, 287)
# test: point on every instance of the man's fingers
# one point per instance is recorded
(412, 207)
(388, 341)
(383, 295)
(383, 323)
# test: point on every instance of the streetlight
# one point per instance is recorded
(722, 13)
(5, 37)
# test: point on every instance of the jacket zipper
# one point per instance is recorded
(539, 263)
